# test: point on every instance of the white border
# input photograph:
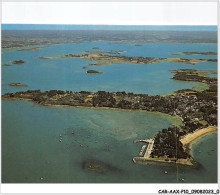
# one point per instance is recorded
(110, 188)
(102, 188)
(110, 13)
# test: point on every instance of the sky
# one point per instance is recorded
(107, 27)
(110, 13)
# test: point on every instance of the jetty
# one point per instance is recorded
(143, 140)
(146, 149)
(149, 148)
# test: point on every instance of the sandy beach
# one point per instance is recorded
(197, 134)
(191, 138)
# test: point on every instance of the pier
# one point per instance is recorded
(143, 140)
(146, 149)
(143, 149)
(149, 148)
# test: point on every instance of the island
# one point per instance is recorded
(105, 52)
(32, 49)
(195, 53)
(18, 62)
(197, 111)
(107, 57)
(6, 64)
(93, 72)
(17, 85)
(195, 75)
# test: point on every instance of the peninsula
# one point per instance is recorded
(197, 110)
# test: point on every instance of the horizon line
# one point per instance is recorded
(109, 27)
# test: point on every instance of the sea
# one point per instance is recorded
(31, 147)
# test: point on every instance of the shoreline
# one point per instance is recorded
(173, 107)
(187, 141)
(100, 108)
(188, 161)
(191, 138)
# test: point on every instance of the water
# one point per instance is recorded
(213, 75)
(205, 152)
(30, 133)
(31, 147)
(67, 74)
